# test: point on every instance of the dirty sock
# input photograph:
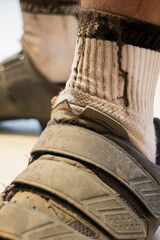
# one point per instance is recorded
(50, 30)
(115, 71)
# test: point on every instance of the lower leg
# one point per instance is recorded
(146, 10)
(44, 65)
(49, 36)
(116, 69)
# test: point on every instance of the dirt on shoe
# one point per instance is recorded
(85, 180)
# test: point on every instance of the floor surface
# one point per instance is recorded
(17, 138)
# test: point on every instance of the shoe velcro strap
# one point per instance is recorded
(81, 188)
(87, 146)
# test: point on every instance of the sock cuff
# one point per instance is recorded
(50, 6)
(120, 29)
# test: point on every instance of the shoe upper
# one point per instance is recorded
(88, 162)
(104, 145)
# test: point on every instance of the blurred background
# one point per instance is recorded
(17, 137)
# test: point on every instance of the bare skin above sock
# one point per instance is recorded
(115, 71)
(50, 30)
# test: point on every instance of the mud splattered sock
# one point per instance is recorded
(50, 30)
(115, 70)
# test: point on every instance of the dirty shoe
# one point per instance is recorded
(85, 180)
(24, 92)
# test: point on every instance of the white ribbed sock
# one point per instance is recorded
(115, 70)
(50, 42)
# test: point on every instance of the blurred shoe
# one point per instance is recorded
(24, 92)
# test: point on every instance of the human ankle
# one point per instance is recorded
(116, 71)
